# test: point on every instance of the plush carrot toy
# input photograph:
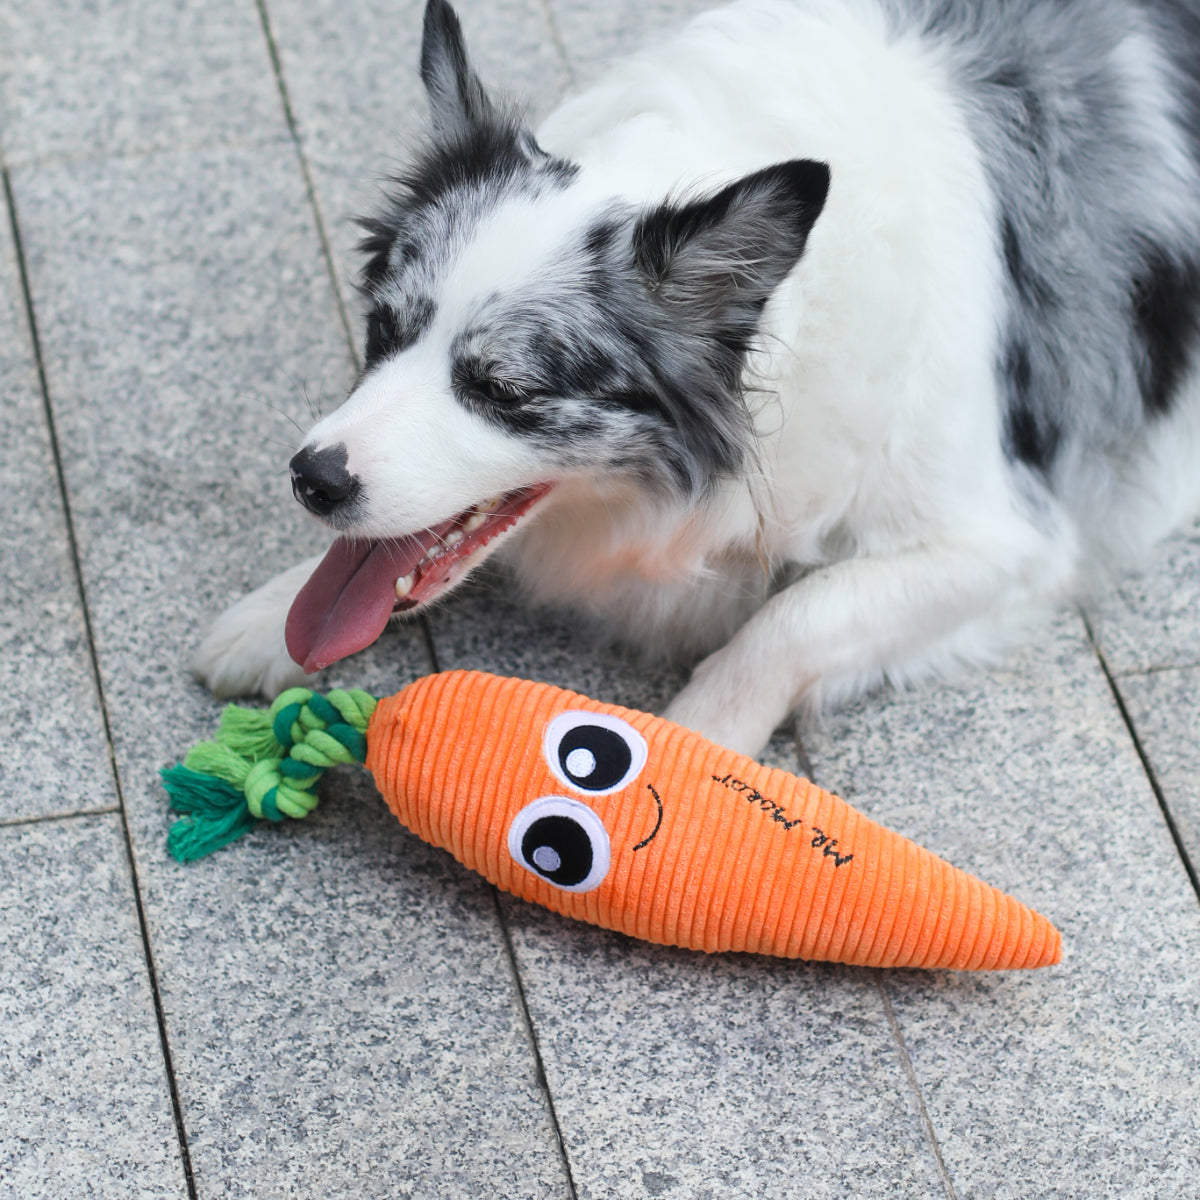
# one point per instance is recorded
(615, 817)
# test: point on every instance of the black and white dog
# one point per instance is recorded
(832, 340)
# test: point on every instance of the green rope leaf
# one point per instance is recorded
(190, 839)
(215, 813)
(247, 731)
(263, 764)
(219, 760)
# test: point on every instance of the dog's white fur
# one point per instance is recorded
(898, 538)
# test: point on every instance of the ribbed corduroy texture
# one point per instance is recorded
(746, 857)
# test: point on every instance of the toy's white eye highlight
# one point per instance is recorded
(593, 752)
(563, 841)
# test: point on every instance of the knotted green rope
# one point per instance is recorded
(263, 763)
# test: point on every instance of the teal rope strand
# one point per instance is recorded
(263, 764)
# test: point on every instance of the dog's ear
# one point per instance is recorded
(457, 100)
(723, 256)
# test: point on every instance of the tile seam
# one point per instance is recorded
(560, 45)
(306, 173)
(94, 659)
(136, 154)
(1154, 669)
(906, 1064)
(913, 1082)
(50, 818)
(531, 1033)
(1181, 849)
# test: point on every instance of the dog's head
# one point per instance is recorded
(528, 328)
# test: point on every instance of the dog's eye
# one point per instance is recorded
(593, 752)
(496, 391)
(381, 334)
(563, 841)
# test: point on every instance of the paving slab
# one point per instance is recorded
(339, 998)
(680, 1074)
(1076, 1081)
(85, 1106)
(84, 78)
(56, 753)
(1164, 707)
(353, 81)
(1147, 619)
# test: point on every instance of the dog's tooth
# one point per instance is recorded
(404, 585)
(453, 537)
(487, 506)
(474, 521)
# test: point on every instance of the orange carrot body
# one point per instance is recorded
(704, 848)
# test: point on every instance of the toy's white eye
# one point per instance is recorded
(593, 752)
(563, 841)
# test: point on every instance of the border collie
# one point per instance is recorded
(828, 343)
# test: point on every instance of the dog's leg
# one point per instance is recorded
(847, 626)
(244, 651)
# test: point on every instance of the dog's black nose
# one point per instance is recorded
(320, 480)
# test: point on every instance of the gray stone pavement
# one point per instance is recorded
(335, 1009)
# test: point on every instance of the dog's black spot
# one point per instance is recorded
(380, 233)
(600, 238)
(493, 159)
(1020, 371)
(570, 366)
(493, 154)
(1030, 285)
(381, 334)
(636, 400)
(1014, 260)
(1166, 304)
(1029, 438)
(1029, 441)
(1008, 77)
(389, 330)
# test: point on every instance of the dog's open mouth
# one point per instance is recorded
(359, 583)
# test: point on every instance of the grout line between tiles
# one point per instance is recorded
(306, 172)
(910, 1073)
(1163, 669)
(77, 565)
(49, 818)
(559, 44)
(531, 1032)
(915, 1083)
(1172, 828)
(139, 153)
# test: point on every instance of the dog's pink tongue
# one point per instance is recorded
(346, 603)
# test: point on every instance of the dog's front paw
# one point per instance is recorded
(244, 652)
(718, 703)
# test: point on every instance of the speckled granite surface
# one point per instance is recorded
(85, 1109)
(56, 757)
(344, 1011)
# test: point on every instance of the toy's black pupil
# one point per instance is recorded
(559, 849)
(594, 758)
